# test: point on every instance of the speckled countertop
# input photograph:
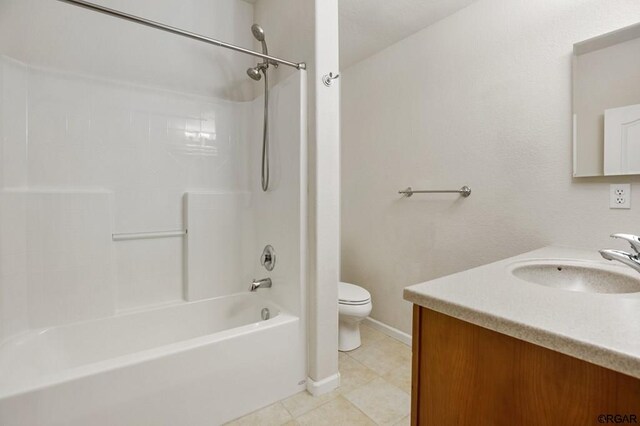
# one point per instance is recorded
(603, 329)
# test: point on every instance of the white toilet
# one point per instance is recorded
(354, 305)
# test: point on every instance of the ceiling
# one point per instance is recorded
(369, 26)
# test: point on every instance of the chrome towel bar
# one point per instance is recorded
(148, 235)
(465, 191)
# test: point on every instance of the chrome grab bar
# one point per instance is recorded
(465, 191)
(148, 235)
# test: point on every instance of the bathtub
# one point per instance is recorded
(197, 363)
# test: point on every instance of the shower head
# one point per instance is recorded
(254, 73)
(258, 32)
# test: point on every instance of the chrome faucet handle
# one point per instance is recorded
(634, 240)
(622, 257)
(268, 258)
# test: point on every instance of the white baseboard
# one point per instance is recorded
(323, 386)
(388, 330)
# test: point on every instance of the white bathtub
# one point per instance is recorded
(199, 363)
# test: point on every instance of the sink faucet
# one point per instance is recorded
(263, 283)
(629, 259)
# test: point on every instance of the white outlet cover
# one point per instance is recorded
(620, 196)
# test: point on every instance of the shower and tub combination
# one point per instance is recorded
(82, 345)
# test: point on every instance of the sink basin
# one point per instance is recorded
(588, 277)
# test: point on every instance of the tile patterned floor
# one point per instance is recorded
(375, 390)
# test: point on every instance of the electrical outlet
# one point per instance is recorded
(620, 196)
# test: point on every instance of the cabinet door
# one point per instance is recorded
(464, 374)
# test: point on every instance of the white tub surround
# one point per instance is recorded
(599, 328)
(198, 363)
(96, 329)
(220, 232)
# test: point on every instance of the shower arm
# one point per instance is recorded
(177, 31)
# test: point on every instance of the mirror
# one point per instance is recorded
(606, 104)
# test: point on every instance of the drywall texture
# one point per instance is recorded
(289, 29)
(368, 26)
(57, 35)
(481, 98)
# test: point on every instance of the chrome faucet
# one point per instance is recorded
(629, 259)
(263, 283)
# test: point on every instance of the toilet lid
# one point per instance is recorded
(350, 294)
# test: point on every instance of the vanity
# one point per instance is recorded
(550, 337)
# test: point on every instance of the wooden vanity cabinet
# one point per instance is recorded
(464, 374)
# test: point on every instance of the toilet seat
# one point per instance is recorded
(353, 295)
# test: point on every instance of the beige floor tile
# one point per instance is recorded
(400, 377)
(304, 402)
(369, 335)
(273, 415)
(384, 355)
(353, 374)
(364, 397)
(338, 411)
(404, 422)
(381, 401)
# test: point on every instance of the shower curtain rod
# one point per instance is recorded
(173, 30)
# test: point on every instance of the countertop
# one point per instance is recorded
(603, 329)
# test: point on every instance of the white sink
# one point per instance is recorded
(583, 276)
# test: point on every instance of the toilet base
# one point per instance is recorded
(349, 334)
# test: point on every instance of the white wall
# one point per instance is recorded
(482, 98)
(62, 36)
(307, 31)
(326, 191)
(289, 29)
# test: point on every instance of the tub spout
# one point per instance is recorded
(263, 283)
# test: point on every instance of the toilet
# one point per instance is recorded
(354, 305)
